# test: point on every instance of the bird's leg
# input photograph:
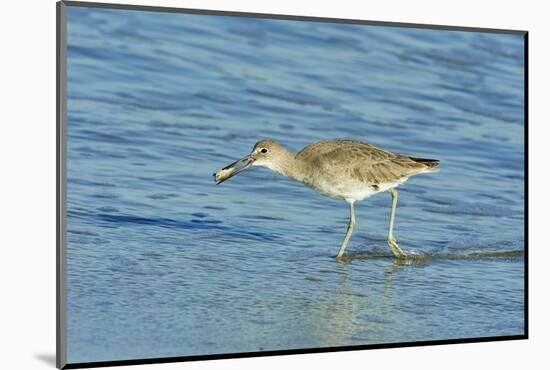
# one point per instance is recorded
(392, 243)
(351, 225)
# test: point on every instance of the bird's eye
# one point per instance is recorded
(264, 150)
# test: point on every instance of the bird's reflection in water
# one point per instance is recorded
(360, 317)
(396, 265)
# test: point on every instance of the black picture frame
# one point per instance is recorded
(61, 210)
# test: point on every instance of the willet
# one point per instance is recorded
(341, 169)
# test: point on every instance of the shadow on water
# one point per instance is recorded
(415, 261)
(421, 258)
(377, 305)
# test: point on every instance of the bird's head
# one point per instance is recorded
(266, 153)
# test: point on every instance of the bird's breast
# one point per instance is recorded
(351, 191)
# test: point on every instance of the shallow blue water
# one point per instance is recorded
(161, 262)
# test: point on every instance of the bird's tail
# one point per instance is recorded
(431, 164)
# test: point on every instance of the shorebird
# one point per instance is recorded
(341, 169)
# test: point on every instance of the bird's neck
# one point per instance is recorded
(288, 165)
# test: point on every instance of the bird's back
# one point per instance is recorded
(353, 169)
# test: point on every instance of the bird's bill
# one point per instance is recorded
(233, 169)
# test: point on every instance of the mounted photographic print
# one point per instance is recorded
(235, 184)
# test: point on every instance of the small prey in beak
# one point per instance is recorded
(233, 169)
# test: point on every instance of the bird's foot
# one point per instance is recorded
(394, 247)
(344, 257)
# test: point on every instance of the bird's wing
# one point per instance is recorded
(364, 162)
(387, 170)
